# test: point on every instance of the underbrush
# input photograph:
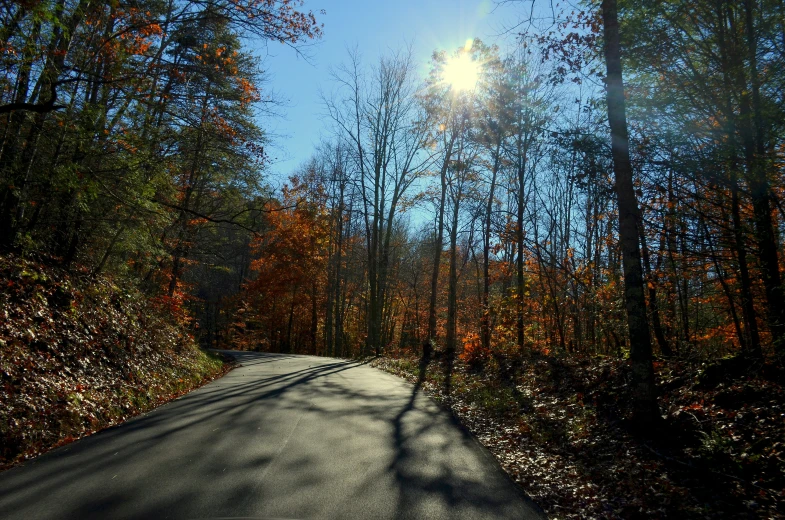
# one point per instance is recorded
(81, 353)
(560, 428)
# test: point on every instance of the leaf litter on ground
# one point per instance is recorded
(560, 430)
(80, 353)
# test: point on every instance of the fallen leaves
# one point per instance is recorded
(79, 354)
(560, 433)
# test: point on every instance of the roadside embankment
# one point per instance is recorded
(81, 353)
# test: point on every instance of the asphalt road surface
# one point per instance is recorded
(280, 437)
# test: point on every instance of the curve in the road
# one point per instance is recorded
(281, 436)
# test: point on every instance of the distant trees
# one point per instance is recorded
(610, 187)
(376, 119)
(287, 293)
(548, 213)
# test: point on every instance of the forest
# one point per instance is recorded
(575, 239)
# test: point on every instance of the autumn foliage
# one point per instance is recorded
(280, 307)
(130, 179)
(541, 233)
(591, 233)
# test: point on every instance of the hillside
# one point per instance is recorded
(81, 353)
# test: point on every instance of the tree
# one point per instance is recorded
(282, 300)
(98, 99)
(378, 120)
(643, 391)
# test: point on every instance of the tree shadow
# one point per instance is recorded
(456, 486)
(301, 438)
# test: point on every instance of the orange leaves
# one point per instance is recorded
(474, 354)
(281, 19)
(136, 32)
(224, 127)
(249, 93)
(125, 145)
(289, 269)
(174, 306)
(151, 29)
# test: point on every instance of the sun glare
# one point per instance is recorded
(461, 72)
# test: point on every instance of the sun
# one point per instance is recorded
(461, 72)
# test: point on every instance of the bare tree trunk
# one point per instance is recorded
(749, 341)
(452, 292)
(728, 293)
(755, 152)
(485, 324)
(519, 260)
(665, 347)
(314, 318)
(430, 338)
(643, 391)
(288, 347)
(752, 339)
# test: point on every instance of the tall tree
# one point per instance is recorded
(643, 390)
(378, 120)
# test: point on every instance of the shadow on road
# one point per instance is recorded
(323, 438)
(455, 490)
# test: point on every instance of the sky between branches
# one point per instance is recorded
(375, 27)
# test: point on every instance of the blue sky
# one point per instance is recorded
(374, 26)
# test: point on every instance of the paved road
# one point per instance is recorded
(280, 437)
